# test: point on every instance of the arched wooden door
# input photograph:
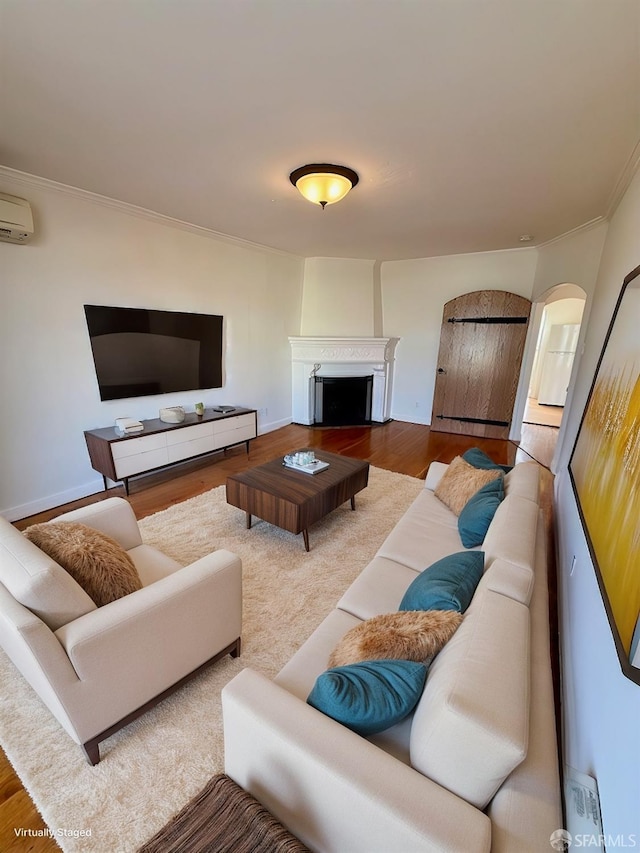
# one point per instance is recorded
(481, 344)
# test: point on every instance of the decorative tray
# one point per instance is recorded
(311, 468)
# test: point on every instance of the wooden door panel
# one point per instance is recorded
(481, 344)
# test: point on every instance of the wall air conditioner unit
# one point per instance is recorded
(16, 221)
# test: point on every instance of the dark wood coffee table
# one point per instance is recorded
(294, 500)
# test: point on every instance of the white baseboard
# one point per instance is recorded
(17, 513)
(410, 419)
(50, 501)
(273, 425)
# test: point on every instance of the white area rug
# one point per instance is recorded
(156, 765)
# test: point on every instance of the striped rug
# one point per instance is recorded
(223, 818)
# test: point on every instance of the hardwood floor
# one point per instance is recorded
(539, 442)
(396, 446)
(542, 414)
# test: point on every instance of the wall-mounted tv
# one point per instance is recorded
(141, 351)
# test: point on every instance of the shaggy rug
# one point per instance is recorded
(153, 767)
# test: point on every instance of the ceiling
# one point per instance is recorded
(469, 122)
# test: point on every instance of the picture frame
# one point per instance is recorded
(604, 470)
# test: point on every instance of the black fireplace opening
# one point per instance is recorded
(343, 400)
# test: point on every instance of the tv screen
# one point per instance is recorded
(140, 351)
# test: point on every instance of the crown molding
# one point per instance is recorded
(587, 226)
(29, 180)
(26, 179)
(622, 185)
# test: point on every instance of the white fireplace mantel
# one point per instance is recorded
(315, 356)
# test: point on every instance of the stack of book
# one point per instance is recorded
(310, 468)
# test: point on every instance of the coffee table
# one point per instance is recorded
(294, 500)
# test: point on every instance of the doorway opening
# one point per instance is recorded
(553, 361)
(560, 319)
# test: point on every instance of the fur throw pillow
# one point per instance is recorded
(461, 481)
(94, 560)
(408, 635)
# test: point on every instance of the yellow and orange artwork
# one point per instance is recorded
(606, 467)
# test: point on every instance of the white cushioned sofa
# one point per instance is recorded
(474, 767)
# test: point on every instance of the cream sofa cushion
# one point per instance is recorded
(435, 472)
(38, 582)
(299, 674)
(526, 809)
(523, 481)
(514, 581)
(378, 588)
(426, 532)
(512, 533)
(113, 516)
(152, 565)
(471, 726)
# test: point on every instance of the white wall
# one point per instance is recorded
(86, 251)
(414, 293)
(338, 297)
(601, 708)
(574, 258)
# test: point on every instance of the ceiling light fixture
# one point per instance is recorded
(322, 183)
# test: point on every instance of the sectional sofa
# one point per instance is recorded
(474, 767)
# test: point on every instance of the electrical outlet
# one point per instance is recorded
(262, 412)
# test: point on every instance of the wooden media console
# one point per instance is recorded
(159, 444)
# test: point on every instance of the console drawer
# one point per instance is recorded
(232, 424)
(244, 434)
(134, 446)
(187, 449)
(187, 434)
(129, 465)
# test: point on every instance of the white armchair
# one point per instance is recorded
(97, 669)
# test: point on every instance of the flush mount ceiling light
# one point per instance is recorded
(322, 183)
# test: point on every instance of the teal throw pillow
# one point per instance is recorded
(371, 696)
(478, 512)
(448, 584)
(479, 459)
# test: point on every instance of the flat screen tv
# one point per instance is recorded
(139, 351)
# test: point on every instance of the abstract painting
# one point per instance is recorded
(605, 473)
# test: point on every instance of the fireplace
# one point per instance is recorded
(342, 358)
(342, 400)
